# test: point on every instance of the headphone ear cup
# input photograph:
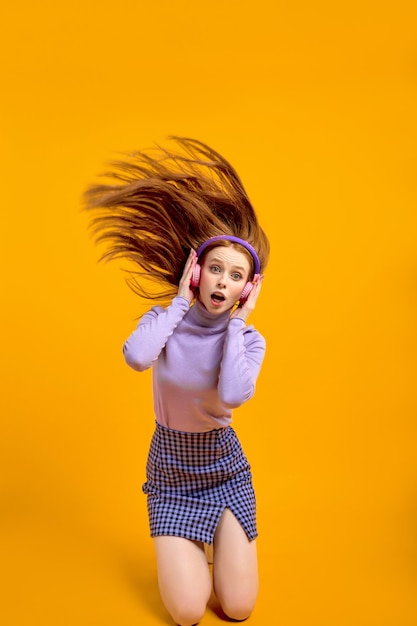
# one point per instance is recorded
(195, 278)
(246, 291)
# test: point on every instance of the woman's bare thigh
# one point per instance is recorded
(235, 568)
(184, 578)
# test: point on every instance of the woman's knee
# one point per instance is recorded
(238, 607)
(187, 612)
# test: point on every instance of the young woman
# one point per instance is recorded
(185, 221)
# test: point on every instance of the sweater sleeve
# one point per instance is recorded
(243, 353)
(145, 344)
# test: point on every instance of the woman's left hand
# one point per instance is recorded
(243, 311)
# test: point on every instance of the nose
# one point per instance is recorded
(221, 282)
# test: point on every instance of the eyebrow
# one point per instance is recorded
(235, 267)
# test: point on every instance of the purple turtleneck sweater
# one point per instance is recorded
(203, 364)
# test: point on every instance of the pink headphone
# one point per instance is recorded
(195, 278)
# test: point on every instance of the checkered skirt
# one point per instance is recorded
(192, 478)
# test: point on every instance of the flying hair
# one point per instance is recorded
(160, 203)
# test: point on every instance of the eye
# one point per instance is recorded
(215, 269)
(236, 276)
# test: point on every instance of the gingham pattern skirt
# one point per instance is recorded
(192, 478)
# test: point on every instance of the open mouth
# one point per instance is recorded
(217, 298)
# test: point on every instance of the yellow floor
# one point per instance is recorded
(66, 570)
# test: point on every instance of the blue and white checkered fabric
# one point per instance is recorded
(192, 478)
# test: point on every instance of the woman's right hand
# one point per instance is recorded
(184, 288)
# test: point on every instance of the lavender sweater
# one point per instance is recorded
(203, 364)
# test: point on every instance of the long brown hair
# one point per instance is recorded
(161, 203)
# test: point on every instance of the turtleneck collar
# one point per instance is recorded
(212, 321)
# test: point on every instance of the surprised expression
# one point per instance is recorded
(224, 274)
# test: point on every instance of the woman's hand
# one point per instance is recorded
(184, 288)
(243, 311)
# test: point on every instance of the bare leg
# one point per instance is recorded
(183, 577)
(235, 568)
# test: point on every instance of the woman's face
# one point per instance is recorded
(224, 274)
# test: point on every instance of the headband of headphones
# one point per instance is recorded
(242, 242)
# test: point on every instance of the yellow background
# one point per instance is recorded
(315, 105)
